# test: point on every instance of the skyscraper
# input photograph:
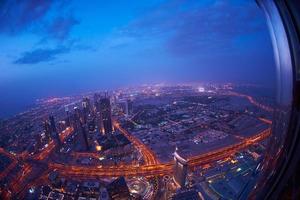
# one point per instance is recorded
(68, 119)
(47, 129)
(124, 106)
(54, 133)
(85, 144)
(98, 113)
(86, 105)
(180, 169)
(77, 118)
(106, 114)
(130, 106)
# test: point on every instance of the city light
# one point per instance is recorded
(98, 148)
(31, 190)
(134, 100)
(201, 89)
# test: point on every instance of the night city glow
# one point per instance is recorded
(153, 99)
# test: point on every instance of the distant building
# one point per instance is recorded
(47, 130)
(99, 123)
(68, 119)
(38, 142)
(106, 115)
(180, 169)
(130, 106)
(98, 114)
(85, 144)
(77, 116)
(91, 124)
(118, 190)
(86, 106)
(54, 132)
(124, 106)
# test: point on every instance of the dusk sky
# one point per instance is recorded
(57, 48)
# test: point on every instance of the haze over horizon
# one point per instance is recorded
(56, 48)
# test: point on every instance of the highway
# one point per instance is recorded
(155, 169)
(22, 181)
(252, 101)
(12, 165)
(148, 154)
(22, 178)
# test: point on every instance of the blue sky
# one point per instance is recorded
(62, 47)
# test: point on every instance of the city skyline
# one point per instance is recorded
(106, 45)
(149, 142)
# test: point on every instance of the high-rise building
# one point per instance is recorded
(77, 118)
(130, 106)
(124, 106)
(68, 117)
(38, 142)
(91, 124)
(85, 144)
(47, 130)
(98, 113)
(86, 106)
(106, 114)
(54, 132)
(180, 169)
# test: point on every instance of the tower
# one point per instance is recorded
(124, 106)
(54, 133)
(85, 137)
(98, 114)
(180, 169)
(68, 120)
(47, 130)
(106, 114)
(130, 106)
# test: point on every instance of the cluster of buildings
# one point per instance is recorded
(68, 189)
(175, 122)
(196, 121)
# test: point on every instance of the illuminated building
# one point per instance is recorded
(68, 120)
(86, 105)
(85, 137)
(124, 106)
(130, 106)
(180, 169)
(47, 130)
(91, 124)
(77, 113)
(99, 121)
(54, 133)
(38, 140)
(106, 114)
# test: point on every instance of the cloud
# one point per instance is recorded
(15, 16)
(41, 55)
(61, 27)
(51, 20)
(36, 16)
(216, 28)
(198, 26)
